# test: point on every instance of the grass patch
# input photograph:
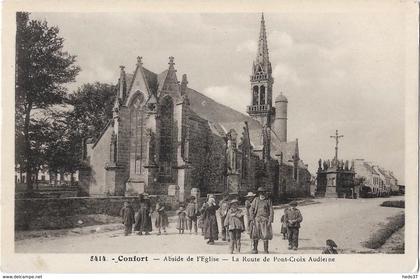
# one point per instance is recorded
(399, 204)
(378, 238)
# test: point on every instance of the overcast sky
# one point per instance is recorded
(339, 71)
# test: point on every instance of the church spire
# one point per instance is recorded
(262, 83)
(262, 54)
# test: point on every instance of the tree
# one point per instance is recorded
(42, 69)
(92, 107)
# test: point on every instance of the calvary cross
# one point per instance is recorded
(336, 143)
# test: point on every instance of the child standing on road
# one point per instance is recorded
(234, 224)
(284, 225)
(182, 219)
(293, 218)
(127, 214)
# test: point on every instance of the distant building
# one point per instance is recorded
(44, 176)
(377, 181)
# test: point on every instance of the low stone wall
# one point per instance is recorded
(57, 213)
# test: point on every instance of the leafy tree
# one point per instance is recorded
(92, 109)
(42, 69)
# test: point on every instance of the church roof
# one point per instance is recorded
(213, 111)
(152, 80)
(161, 79)
(222, 118)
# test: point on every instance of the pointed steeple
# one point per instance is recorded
(122, 84)
(262, 82)
(262, 54)
(171, 63)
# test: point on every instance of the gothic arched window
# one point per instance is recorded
(166, 138)
(255, 95)
(137, 133)
(262, 95)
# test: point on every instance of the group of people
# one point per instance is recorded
(256, 220)
(141, 221)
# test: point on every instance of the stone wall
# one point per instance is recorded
(199, 134)
(58, 213)
(291, 188)
(215, 168)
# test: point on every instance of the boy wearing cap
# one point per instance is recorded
(293, 218)
(234, 225)
(262, 215)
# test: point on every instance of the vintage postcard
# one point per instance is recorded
(198, 136)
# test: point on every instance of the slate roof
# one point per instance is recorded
(152, 80)
(370, 168)
(222, 118)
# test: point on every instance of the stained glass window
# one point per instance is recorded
(166, 137)
(137, 132)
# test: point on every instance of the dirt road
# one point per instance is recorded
(347, 222)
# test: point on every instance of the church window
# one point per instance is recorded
(166, 138)
(137, 134)
(255, 95)
(262, 95)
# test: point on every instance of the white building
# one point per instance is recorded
(377, 180)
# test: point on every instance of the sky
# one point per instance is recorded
(343, 71)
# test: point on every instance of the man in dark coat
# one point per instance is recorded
(127, 214)
(208, 211)
(293, 218)
(262, 216)
(144, 216)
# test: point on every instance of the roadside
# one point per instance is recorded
(394, 244)
(348, 222)
(100, 223)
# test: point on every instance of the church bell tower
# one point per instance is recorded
(261, 108)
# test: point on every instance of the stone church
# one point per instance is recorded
(168, 139)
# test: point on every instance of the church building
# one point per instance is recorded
(169, 140)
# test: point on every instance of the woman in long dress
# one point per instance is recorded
(144, 216)
(161, 222)
(208, 211)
